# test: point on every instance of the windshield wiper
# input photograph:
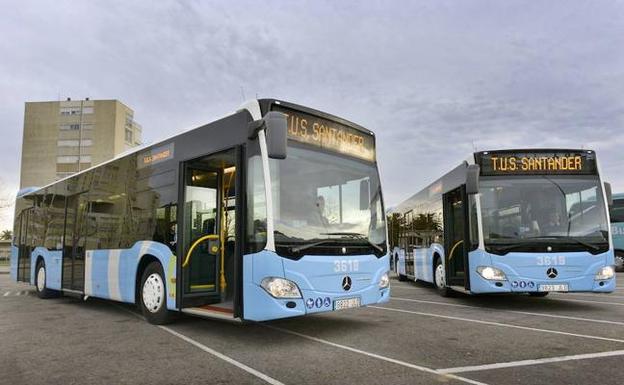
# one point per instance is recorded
(313, 244)
(580, 242)
(358, 236)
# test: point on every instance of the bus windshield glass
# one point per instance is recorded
(325, 202)
(523, 213)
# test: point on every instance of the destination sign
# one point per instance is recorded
(155, 155)
(327, 134)
(540, 163)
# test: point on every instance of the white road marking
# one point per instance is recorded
(511, 364)
(18, 293)
(374, 355)
(7, 293)
(205, 348)
(225, 358)
(586, 301)
(592, 295)
(555, 299)
(491, 323)
(512, 311)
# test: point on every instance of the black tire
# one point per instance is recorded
(443, 290)
(156, 311)
(538, 294)
(619, 261)
(402, 278)
(42, 290)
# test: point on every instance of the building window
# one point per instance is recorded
(73, 159)
(70, 126)
(87, 110)
(70, 111)
(128, 135)
(74, 143)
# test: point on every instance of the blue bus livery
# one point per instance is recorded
(617, 229)
(511, 221)
(273, 211)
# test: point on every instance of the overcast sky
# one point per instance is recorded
(434, 79)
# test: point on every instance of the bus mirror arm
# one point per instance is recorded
(608, 193)
(472, 179)
(276, 127)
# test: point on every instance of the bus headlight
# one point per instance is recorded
(491, 273)
(280, 287)
(606, 272)
(384, 281)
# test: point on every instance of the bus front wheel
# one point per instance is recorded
(439, 279)
(40, 282)
(153, 295)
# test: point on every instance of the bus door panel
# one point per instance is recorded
(24, 247)
(208, 231)
(74, 241)
(456, 236)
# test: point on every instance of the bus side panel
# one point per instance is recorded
(111, 274)
(400, 255)
(14, 259)
(53, 266)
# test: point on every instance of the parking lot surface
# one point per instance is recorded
(416, 338)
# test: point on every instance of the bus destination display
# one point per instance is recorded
(329, 135)
(541, 163)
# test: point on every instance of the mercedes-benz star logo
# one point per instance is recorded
(346, 283)
(551, 273)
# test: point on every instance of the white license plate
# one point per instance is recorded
(555, 287)
(346, 303)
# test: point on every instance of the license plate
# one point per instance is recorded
(554, 287)
(346, 303)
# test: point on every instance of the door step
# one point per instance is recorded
(210, 311)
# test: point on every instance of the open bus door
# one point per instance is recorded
(456, 238)
(208, 249)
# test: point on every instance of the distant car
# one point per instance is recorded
(617, 229)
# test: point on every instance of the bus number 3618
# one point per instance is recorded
(346, 265)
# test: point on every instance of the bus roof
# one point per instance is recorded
(263, 104)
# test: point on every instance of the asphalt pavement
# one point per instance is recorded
(416, 338)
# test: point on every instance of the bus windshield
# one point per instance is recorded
(525, 213)
(324, 202)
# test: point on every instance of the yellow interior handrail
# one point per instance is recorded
(201, 239)
(453, 249)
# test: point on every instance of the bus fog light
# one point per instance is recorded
(491, 273)
(384, 281)
(606, 272)
(280, 287)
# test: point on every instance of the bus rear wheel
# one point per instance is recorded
(40, 282)
(153, 295)
(439, 279)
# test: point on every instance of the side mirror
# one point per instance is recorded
(472, 179)
(364, 194)
(276, 128)
(608, 193)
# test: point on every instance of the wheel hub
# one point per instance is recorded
(41, 276)
(440, 276)
(153, 293)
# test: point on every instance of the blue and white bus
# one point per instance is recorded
(617, 229)
(511, 221)
(272, 211)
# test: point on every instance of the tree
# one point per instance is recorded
(6, 235)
